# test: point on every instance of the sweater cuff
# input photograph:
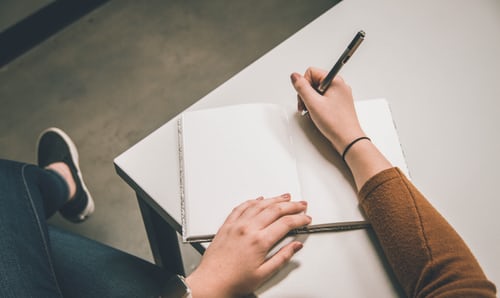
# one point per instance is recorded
(377, 180)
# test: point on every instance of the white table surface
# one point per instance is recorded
(438, 65)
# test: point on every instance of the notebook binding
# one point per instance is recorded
(181, 177)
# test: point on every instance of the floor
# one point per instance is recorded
(113, 76)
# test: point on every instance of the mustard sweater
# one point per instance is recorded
(427, 255)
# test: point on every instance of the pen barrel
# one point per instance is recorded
(348, 52)
(334, 227)
(325, 83)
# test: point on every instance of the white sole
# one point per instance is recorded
(75, 158)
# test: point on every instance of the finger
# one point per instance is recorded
(279, 228)
(336, 84)
(304, 89)
(277, 210)
(338, 79)
(258, 207)
(315, 75)
(278, 260)
(300, 104)
(240, 209)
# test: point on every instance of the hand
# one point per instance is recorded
(335, 116)
(236, 262)
(333, 113)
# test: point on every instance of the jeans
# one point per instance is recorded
(38, 260)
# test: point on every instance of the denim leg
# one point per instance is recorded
(26, 268)
(37, 263)
(86, 268)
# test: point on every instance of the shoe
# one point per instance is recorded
(54, 145)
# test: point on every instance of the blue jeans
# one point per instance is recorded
(38, 260)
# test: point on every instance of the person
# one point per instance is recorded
(427, 256)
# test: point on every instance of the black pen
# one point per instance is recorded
(349, 51)
(310, 229)
(330, 227)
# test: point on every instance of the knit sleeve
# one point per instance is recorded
(427, 255)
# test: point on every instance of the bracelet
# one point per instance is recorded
(351, 144)
(177, 287)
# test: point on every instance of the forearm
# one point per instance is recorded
(364, 161)
(427, 255)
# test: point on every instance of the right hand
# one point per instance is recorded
(335, 116)
(333, 113)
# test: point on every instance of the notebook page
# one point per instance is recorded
(232, 154)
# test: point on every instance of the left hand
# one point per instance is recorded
(236, 261)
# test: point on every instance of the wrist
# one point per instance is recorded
(364, 161)
(203, 286)
(341, 142)
(353, 143)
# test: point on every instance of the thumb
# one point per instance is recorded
(304, 89)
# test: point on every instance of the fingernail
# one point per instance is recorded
(298, 246)
(294, 77)
(260, 198)
(286, 196)
(303, 203)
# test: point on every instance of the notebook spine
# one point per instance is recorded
(181, 177)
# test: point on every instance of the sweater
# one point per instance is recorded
(426, 254)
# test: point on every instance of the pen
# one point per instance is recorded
(330, 227)
(320, 228)
(349, 51)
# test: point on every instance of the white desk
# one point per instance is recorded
(438, 64)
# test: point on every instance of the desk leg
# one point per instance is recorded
(162, 239)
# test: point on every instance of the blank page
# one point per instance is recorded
(230, 155)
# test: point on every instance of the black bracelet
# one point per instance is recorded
(352, 143)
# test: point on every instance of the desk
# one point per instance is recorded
(438, 64)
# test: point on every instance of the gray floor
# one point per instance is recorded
(120, 72)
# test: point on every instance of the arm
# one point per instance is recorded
(426, 254)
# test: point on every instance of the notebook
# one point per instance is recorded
(231, 154)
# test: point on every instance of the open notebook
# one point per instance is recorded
(231, 154)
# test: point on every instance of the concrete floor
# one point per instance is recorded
(123, 70)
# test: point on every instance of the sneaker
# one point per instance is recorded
(54, 145)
